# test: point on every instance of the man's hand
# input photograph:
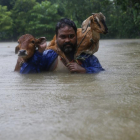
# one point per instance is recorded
(42, 47)
(74, 67)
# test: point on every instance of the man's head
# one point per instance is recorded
(66, 35)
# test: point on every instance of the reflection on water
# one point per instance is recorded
(66, 106)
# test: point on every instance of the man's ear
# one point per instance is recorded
(86, 23)
(16, 49)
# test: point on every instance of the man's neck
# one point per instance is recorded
(70, 56)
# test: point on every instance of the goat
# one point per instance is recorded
(87, 37)
(27, 44)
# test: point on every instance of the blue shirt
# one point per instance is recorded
(42, 62)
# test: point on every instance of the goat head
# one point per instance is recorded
(96, 22)
(27, 44)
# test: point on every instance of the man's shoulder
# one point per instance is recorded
(50, 55)
(49, 51)
(46, 53)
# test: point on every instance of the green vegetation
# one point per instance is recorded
(39, 17)
(6, 22)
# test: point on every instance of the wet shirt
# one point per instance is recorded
(43, 61)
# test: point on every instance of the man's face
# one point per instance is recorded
(66, 39)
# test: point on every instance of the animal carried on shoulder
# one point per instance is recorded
(27, 44)
(87, 37)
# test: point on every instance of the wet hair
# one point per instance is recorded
(65, 22)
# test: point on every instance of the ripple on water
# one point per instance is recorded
(64, 106)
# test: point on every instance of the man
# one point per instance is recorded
(48, 60)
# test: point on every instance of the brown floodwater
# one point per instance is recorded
(64, 106)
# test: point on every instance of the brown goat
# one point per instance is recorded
(27, 46)
(87, 37)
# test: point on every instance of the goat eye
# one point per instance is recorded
(95, 19)
(33, 41)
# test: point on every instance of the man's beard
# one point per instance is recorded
(67, 47)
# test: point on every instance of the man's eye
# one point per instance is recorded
(71, 36)
(63, 36)
(67, 36)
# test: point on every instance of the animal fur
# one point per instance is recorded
(27, 44)
(87, 37)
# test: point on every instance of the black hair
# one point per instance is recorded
(65, 22)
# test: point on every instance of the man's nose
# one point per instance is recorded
(67, 39)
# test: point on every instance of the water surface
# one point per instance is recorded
(64, 106)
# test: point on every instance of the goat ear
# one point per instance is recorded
(16, 49)
(100, 13)
(39, 41)
(85, 24)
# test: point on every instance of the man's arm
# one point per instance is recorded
(30, 65)
(38, 55)
(89, 65)
(40, 61)
(92, 65)
(33, 65)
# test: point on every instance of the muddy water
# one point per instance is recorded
(64, 106)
